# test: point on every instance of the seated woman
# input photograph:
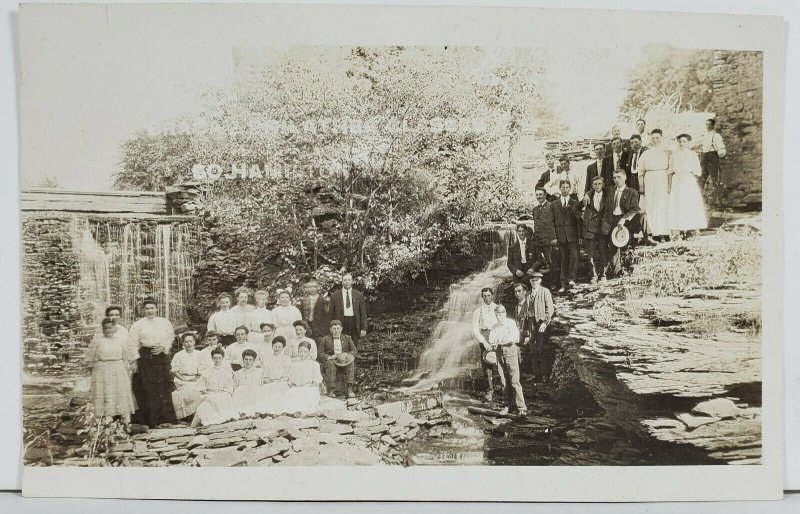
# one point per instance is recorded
(276, 378)
(234, 351)
(304, 383)
(264, 347)
(302, 331)
(186, 367)
(212, 341)
(246, 383)
(108, 357)
(216, 389)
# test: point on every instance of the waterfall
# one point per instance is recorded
(120, 262)
(452, 347)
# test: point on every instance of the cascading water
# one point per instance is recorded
(452, 348)
(122, 262)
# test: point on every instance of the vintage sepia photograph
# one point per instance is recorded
(402, 255)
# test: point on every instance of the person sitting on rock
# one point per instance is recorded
(302, 330)
(275, 382)
(216, 388)
(234, 351)
(336, 354)
(246, 382)
(212, 341)
(304, 383)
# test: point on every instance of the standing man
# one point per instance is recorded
(521, 291)
(632, 163)
(621, 210)
(565, 174)
(540, 312)
(616, 132)
(601, 167)
(524, 256)
(594, 236)
(640, 125)
(336, 354)
(350, 308)
(503, 338)
(565, 214)
(618, 155)
(314, 309)
(713, 149)
(549, 172)
(544, 234)
(483, 319)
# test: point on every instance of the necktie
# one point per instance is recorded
(633, 164)
(616, 198)
(347, 296)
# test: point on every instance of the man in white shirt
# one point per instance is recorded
(713, 149)
(349, 307)
(552, 187)
(483, 319)
(503, 339)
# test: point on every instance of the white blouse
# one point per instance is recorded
(258, 316)
(685, 161)
(223, 323)
(304, 372)
(150, 333)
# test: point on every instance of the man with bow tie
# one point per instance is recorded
(622, 209)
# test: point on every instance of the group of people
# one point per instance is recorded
(628, 189)
(501, 338)
(254, 360)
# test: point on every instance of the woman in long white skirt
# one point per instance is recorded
(216, 387)
(305, 379)
(186, 368)
(276, 378)
(653, 166)
(686, 208)
(247, 382)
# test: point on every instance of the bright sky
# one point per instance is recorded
(86, 91)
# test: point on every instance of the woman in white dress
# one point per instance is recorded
(246, 383)
(108, 358)
(186, 367)
(305, 379)
(216, 387)
(300, 330)
(686, 208)
(264, 347)
(224, 321)
(211, 340)
(276, 378)
(285, 315)
(234, 351)
(653, 166)
(258, 316)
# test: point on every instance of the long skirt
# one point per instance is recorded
(270, 397)
(303, 399)
(111, 389)
(152, 387)
(656, 202)
(215, 408)
(686, 208)
(246, 400)
(185, 398)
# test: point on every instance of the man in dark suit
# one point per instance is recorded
(632, 179)
(332, 353)
(314, 309)
(566, 212)
(521, 316)
(618, 156)
(544, 235)
(524, 257)
(622, 209)
(616, 132)
(596, 241)
(601, 167)
(549, 173)
(350, 308)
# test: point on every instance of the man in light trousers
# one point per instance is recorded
(503, 339)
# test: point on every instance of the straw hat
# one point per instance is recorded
(490, 357)
(620, 236)
(344, 359)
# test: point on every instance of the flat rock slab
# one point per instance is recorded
(333, 455)
(228, 458)
(394, 409)
(336, 428)
(165, 433)
(347, 416)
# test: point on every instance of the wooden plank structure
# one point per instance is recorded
(123, 202)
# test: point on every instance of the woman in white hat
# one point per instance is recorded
(686, 209)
